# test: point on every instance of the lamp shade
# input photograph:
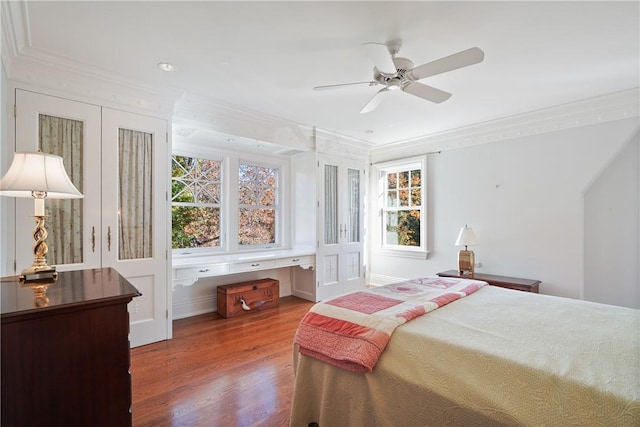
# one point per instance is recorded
(466, 237)
(39, 172)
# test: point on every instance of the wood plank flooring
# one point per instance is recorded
(219, 372)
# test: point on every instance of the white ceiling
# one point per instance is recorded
(266, 56)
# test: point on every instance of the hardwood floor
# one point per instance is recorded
(219, 372)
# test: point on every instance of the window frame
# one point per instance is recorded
(277, 207)
(380, 171)
(229, 203)
(223, 166)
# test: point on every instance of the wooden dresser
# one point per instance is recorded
(67, 363)
(516, 283)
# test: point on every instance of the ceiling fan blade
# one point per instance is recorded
(381, 58)
(448, 63)
(377, 99)
(426, 92)
(325, 87)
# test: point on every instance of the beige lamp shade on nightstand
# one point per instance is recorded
(40, 176)
(466, 258)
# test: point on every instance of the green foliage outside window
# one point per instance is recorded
(195, 202)
(403, 204)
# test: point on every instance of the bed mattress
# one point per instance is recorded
(497, 357)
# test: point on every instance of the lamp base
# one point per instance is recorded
(41, 274)
(466, 261)
(40, 270)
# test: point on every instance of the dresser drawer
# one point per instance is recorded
(298, 260)
(259, 264)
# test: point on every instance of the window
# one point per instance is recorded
(195, 202)
(224, 204)
(257, 189)
(402, 206)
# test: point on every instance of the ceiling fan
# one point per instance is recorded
(394, 72)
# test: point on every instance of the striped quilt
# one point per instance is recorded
(352, 330)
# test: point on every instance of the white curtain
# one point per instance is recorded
(65, 138)
(354, 205)
(136, 189)
(330, 204)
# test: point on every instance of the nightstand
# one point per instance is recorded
(526, 285)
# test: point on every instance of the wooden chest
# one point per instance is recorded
(246, 297)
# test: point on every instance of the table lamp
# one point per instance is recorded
(38, 175)
(466, 258)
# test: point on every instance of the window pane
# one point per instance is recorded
(256, 185)
(257, 226)
(415, 178)
(195, 227)
(257, 189)
(416, 199)
(402, 228)
(403, 196)
(195, 195)
(392, 181)
(403, 179)
(195, 180)
(392, 199)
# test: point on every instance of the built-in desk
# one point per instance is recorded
(187, 269)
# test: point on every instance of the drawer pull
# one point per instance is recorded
(255, 265)
(204, 270)
(295, 260)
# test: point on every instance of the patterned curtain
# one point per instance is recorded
(65, 138)
(330, 204)
(135, 195)
(354, 204)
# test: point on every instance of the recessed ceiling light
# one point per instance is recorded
(165, 66)
(368, 131)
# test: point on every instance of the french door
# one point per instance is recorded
(118, 160)
(340, 256)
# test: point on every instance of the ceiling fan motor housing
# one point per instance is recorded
(402, 65)
(394, 80)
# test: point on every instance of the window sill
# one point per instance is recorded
(402, 254)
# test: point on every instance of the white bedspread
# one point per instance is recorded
(497, 357)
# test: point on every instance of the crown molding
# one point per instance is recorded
(199, 112)
(15, 33)
(334, 143)
(60, 76)
(605, 108)
(203, 113)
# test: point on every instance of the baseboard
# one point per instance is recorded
(195, 306)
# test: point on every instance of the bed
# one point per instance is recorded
(495, 357)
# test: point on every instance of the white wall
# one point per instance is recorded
(6, 156)
(611, 227)
(524, 198)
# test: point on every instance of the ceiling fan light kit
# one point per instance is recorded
(395, 72)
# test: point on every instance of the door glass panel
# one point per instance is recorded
(330, 204)
(65, 138)
(135, 196)
(353, 177)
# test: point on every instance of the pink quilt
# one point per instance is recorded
(352, 330)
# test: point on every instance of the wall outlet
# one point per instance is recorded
(477, 264)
